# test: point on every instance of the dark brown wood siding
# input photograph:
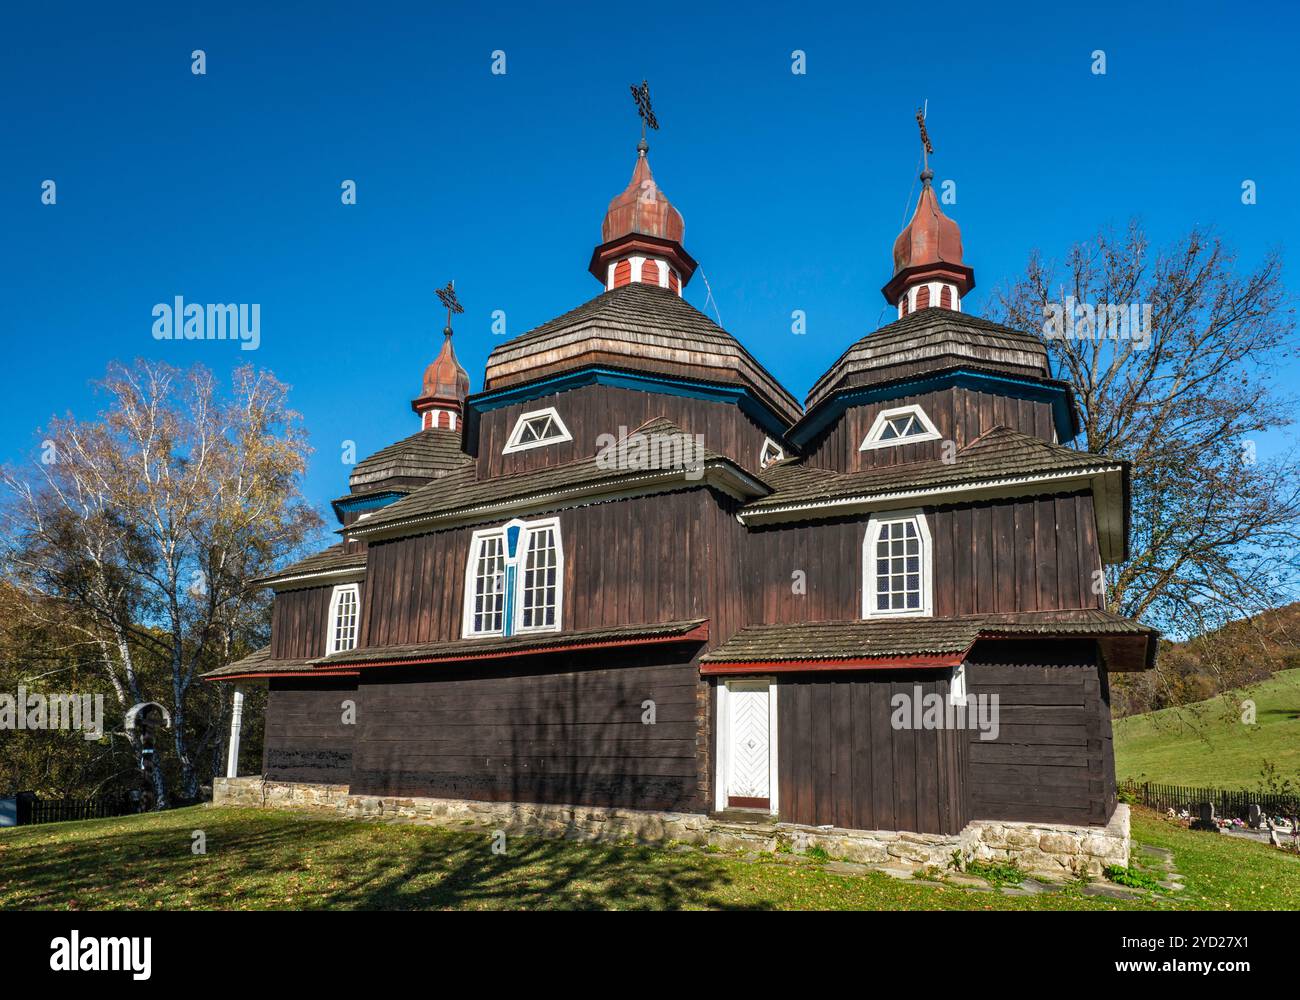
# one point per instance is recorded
(842, 763)
(669, 557)
(306, 738)
(1052, 760)
(592, 410)
(1029, 554)
(299, 621)
(560, 728)
(960, 415)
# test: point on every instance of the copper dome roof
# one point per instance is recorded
(642, 208)
(931, 237)
(445, 379)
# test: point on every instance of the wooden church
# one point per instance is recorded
(519, 611)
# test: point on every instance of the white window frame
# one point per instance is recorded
(873, 440)
(513, 604)
(331, 636)
(513, 442)
(471, 569)
(722, 754)
(874, 524)
(780, 453)
(529, 529)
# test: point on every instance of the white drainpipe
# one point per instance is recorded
(236, 720)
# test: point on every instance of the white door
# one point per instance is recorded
(749, 749)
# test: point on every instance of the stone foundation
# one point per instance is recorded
(1051, 849)
(1043, 849)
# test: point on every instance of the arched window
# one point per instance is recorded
(344, 614)
(623, 273)
(945, 297)
(923, 297)
(897, 571)
(514, 579)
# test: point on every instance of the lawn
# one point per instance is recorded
(265, 859)
(1207, 744)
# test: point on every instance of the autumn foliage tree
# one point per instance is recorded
(135, 534)
(1185, 397)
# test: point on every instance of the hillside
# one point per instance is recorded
(1206, 743)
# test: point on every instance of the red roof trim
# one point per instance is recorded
(285, 673)
(943, 662)
(700, 633)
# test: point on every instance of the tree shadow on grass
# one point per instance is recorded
(259, 860)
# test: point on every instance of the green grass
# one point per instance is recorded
(265, 859)
(1207, 744)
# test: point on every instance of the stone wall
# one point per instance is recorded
(1051, 849)
(1048, 850)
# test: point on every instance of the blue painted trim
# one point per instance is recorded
(508, 616)
(666, 384)
(368, 503)
(1005, 385)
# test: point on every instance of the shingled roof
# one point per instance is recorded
(931, 340)
(998, 454)
(644, 327)
(459, 650)
(260, 664)
(462, 493)
(331, 560)
(426, 454)
(898, 643)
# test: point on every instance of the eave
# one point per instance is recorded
(1108, 483)
(720, 474)
(1054, 391)
(947, 662)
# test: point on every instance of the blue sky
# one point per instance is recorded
(225, 187)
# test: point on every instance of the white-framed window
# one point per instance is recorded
(344, 618)
(535, 429)
(957, 685)
(897, 567)
(514, 579)
(899, 425)
(770, 454)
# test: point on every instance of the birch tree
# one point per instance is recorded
(138, 532)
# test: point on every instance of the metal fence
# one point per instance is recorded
(32, 809)
(1227, 802)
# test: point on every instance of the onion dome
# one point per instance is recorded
(642, 236)
(928, 268)
(446, 384)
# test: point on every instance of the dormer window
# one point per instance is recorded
(897, 561)
(771, 454)
(535, 429)
(900, 425)
(345, 605)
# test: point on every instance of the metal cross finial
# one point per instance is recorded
(448, 297)
(641, 95)
(925, 135)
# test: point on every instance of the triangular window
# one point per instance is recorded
(532, 430)
(771, 453)
(900, 425)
